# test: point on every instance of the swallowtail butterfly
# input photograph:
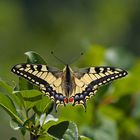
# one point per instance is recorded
(67, 85)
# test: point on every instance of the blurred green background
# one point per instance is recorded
(108, 32)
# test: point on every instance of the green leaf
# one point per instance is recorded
(136, 109)
(84, 138)
(30, 94)
(34, 58)
(14, 125)
(9, 107)
(46, 118)
(106, 130)
(44, 106)
(50, 122)
(103, 132)
(18, 99)
(64, 130)
(31, 97)
(112, 112)
(45, 137)
(24, 84)
(8, 89)
(77, 113)
(13, 138)
(102, 92)
(5, 87)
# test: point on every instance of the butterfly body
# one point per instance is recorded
(67, 85)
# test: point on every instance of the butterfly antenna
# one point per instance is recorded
(76, 58)
(58, 58)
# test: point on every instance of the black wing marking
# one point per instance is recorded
(90, 79)
(49, 80)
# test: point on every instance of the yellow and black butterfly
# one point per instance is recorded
(68, 86)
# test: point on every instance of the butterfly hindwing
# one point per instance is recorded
(48, 81)
(90, 79)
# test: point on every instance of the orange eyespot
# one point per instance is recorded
(66, 100)
(71, 99)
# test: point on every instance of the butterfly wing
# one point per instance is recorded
(48, 79)
(88, 80)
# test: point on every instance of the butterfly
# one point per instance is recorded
(68, 86)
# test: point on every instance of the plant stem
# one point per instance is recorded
(33, 137)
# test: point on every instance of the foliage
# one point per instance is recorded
(30, 111)
(112, 114)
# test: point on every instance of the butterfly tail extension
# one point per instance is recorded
(56, 107)
(57, 103)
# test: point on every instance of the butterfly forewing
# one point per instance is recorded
(103, 75)
(41, 75)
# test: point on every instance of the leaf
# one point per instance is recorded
(31, 97)
(101, 93)
(112, 112)
(130, 126)
(136, 109)
(106, 130)
(18, 99)
(45, 137)
(5, 86)
(31, 94)
(8, 89)
(84, 138)
(64, 130)
(44, 106)
(13, 138)
(77, 113)
(24, 84)
(34, 58)
(45, 119)
(9, 107)
(14, 125)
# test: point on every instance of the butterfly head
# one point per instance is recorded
(67, 68)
